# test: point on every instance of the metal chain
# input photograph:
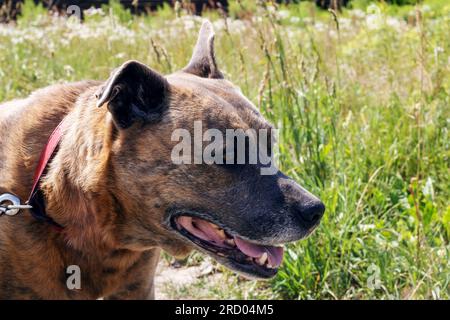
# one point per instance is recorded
(14, 205)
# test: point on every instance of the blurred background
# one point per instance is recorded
(359, 90)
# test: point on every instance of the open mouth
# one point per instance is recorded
(247, 257)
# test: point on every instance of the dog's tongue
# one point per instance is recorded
(203, 229)
(275, 254)
(209, 232)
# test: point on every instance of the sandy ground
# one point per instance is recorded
(172, 275)
(205, 279)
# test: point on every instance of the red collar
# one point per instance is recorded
(36, 198)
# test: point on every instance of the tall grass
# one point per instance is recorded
(362, 101)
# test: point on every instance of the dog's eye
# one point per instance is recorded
(269, 144)
(240, 153)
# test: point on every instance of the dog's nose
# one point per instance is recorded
(304, 207)
(309, 212)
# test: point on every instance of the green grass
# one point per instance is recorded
(362, 101)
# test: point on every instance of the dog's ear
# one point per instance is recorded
(203, 61)
(134, 92)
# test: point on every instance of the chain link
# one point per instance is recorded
(14, 205)
(19, 207)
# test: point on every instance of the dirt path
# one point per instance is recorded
(170, 279)
(205, 279)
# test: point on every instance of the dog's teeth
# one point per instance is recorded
(270, 266)
(221, 234)
(262, 260)
(215, 226)
(230, 242)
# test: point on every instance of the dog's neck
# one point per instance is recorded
(75, 189)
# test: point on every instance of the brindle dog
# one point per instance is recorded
(113, 186)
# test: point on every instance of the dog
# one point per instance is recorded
(112, 186)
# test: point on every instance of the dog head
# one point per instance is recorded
(227, 209)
